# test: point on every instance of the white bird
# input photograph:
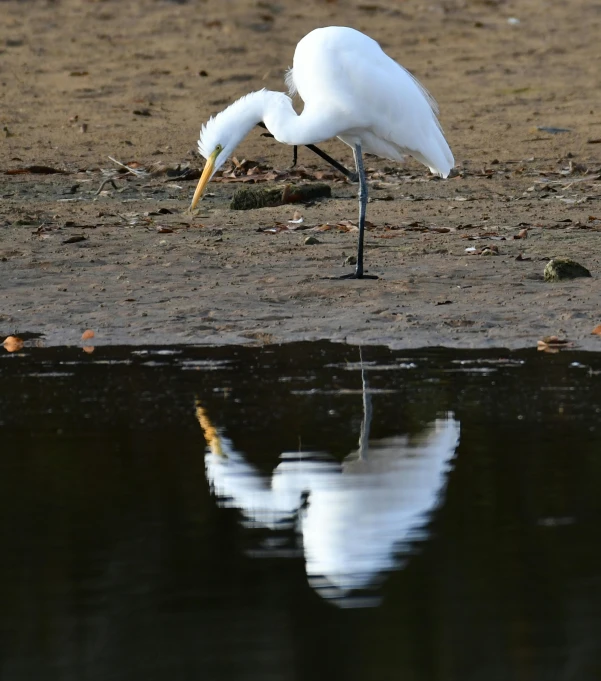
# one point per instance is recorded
(351, 90)
(356, 520)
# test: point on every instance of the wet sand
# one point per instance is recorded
(81, 81)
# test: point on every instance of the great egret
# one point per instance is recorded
(356, 520)
(352, 90)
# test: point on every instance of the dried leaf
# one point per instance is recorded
(597, 330)
(552, 344)
(35, 170)
(75, 239)
(276, 229)
(347, 226)
(87, 334)
(161, 229)
(13, 344)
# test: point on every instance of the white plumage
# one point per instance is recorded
(357, 520)
(352, 90)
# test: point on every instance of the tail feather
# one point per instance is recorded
(438, 155)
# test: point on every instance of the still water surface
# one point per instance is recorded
(308, 511)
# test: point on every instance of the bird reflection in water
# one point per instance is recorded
(358, 519)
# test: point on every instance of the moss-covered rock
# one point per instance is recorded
(249, 198)
(560, 269)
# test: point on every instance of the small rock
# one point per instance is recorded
(559, 269)
(351, 260)
(311, 241)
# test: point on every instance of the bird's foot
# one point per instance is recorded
(357, 275)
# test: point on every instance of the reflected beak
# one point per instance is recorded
(204, 179)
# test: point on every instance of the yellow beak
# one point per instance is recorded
(204, 179)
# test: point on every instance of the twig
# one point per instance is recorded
(133, 171)
(104, 183)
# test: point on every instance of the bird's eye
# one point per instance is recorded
(219, 148)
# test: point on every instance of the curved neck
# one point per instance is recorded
(270, 107)
(288, 127)
(276, 111)
(231, 126)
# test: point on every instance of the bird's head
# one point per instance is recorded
(216, 150)
(221, 134)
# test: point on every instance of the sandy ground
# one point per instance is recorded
(81, 81)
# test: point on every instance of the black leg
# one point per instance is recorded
(353, 177)
(359, 274)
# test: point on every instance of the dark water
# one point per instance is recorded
(426, 515)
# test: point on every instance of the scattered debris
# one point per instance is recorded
(553, 344)
(551, 130)
(485, 250)
(130, 168)
(311, 241)
(75, 239)
(109, 180)
(559, 269)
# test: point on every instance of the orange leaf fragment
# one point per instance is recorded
(87, 334)
(597, 330)
(13, 343)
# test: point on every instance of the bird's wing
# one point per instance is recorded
(426, 93)
(345, 78)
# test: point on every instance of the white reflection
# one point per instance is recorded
(355, 519)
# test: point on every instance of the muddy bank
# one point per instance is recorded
(144, 271)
